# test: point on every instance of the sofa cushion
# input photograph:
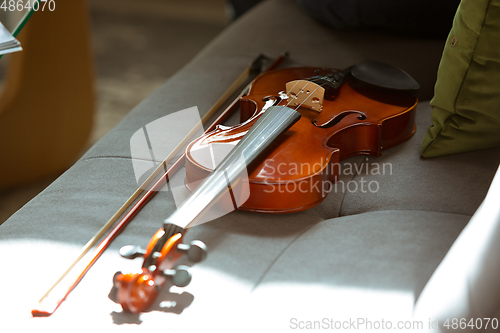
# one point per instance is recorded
(466, 114)
(270, 267)
(452, 184)
(368, 266)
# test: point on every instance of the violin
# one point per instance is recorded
(297, 124)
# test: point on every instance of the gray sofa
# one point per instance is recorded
(356, 255)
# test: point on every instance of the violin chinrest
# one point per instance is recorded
(385, 76)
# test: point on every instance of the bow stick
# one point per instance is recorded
(46, 305)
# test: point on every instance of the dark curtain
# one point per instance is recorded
(420, 18)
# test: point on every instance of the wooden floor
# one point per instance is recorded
(137, 46)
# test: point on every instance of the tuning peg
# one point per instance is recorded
(132, 251)
(180, 275)
(196, 250)
(115, 278)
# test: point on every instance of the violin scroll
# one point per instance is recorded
(137, 291)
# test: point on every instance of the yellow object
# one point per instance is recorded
(47, 106)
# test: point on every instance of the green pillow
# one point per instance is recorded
(466, 103)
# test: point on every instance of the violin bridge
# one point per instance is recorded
(306, 94)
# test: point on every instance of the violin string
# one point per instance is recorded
(318, 86)
(302, 90)
(171, 228)
(297, 82)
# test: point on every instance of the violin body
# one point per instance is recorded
(296, 172)
(290, 145)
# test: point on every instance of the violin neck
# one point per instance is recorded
(273, 122)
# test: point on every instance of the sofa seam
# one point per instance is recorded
(365, 158)
(405, 210)
(116, 157)
(271, 265)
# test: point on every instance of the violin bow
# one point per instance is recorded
(48, 305)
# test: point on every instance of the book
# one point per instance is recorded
(8, 43)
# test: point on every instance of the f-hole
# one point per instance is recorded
(338, 118)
